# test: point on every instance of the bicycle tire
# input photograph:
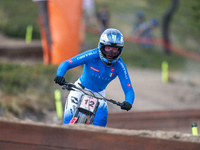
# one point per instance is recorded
(82, 119)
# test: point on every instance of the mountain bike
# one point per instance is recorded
(87, 104)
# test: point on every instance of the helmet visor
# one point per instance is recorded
(111, 52)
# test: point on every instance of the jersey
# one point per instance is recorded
(97, 75)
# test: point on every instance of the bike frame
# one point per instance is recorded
(88, 104)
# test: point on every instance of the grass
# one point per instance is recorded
(27, 88)
(15, 16)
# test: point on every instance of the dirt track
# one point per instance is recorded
(151, 94)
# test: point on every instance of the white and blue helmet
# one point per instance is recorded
(114, 38)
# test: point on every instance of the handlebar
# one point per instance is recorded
(71, 86)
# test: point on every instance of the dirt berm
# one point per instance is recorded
(38, 136)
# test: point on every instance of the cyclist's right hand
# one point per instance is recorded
(60, 80)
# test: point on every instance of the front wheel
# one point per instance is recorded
(82, 119)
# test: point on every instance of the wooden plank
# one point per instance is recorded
(31, 136)
(175, 120)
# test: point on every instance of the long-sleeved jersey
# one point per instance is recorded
(96, 75)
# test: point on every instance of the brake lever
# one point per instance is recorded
(66, 87)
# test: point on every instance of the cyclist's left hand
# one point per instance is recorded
(126, 106)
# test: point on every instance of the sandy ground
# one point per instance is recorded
(181, 92)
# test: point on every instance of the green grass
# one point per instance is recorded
(15, 16)
(16, 79)
(28, 88)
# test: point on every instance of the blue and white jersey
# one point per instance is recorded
(96, 75)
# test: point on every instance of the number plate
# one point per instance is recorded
(88, 103)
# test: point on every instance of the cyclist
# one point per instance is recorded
(101, 66)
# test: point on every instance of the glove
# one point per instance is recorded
(126, 106)
(60, 80)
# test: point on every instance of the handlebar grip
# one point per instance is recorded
(115, 102)
(119, 104)
(68, 86)
(66, 83)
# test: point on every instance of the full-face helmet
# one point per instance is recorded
(112, 38)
